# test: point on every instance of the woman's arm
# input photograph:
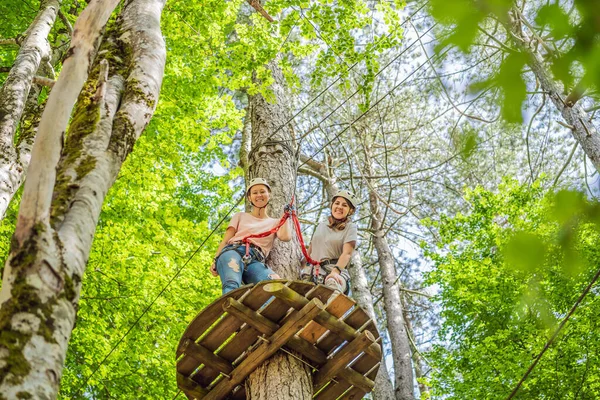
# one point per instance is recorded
(285, 232)
(346, 255)
(229, 233)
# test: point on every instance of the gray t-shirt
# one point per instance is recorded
(328, 244)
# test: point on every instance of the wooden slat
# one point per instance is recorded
(325, 319)
(219, 333)
(363, 365)
(239, 393)
(356, 379)
(266, 350)
(273, 315)
(207, 317)
(337, 306)
(354, 394)
(244, 339)
(342, 358)
(333, 391)
(250, 317)
(190, 388)
(205, 356)
(267, 327)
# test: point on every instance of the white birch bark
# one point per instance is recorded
(401, 354)
(34, 49)
(384, 389)
(282, 377)
(42, 278)
(583, 130)
(13, 99)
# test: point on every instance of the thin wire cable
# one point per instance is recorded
(270, 137)
(157, 296)
(549, 342)
(366, 111)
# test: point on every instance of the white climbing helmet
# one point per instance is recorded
(346, 195)
(257, 181)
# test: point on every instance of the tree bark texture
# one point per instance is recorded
(272, 158)
(15, 99)
(583, 129)
(279, 378)
(34, 49)
(57, 219)
(403, 372)
(417, 359)
(384, 389)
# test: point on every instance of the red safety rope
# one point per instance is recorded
(291, 212)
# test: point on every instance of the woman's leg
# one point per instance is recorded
(230, 268)
(257, 272)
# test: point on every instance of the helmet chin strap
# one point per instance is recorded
(259, 208)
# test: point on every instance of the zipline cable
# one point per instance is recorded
(551, 340)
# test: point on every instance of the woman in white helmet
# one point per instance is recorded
(332, 244)
(230, 262)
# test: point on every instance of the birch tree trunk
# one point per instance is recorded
(582, 129)
(384, 388)
(403, 372)
(34, 50)
(67, 184)
(272, 157)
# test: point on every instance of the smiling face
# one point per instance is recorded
(340, 208)
(259, 195)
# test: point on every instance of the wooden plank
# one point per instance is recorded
(190, 388)
(207, 317)
(325, 319)
(337, 306)
(221, 332)
(342, 358)
(250, 317)
(363, 365)
(266, 350)
(248, 335)
(332, 391)
(356, 379)
(354, 394)
(267, 327)
(357, 318)
(239, 393)
(207, 357)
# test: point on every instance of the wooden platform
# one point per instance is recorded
(240, 330)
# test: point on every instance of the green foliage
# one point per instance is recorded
(507, 273)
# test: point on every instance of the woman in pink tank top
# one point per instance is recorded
(230, 263)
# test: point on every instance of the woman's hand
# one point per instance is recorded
(213, 269)
(333, 274)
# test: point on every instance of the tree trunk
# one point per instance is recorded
(403, 373)
(14, 100)
(272, 157)
(417, 359)
(582, 129)
(67, 185)
(384, 388)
